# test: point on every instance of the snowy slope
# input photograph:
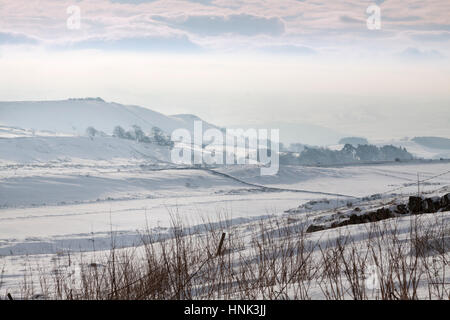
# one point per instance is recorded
(189, 119)
(43, 149)
(356, 180)
(75, 115)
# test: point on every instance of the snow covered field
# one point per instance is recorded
(64, 193)
(50, 208)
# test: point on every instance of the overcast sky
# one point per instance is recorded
(239, 62)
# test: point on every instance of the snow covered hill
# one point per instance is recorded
(73, 116)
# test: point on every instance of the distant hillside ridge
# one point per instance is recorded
(433, 142)
(355, 141)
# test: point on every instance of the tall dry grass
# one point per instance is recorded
(278, 260)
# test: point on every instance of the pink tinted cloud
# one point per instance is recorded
(315, 23)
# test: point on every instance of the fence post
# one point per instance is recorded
(418, 185)
(219, 249)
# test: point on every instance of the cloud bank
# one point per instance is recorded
(225, 25)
